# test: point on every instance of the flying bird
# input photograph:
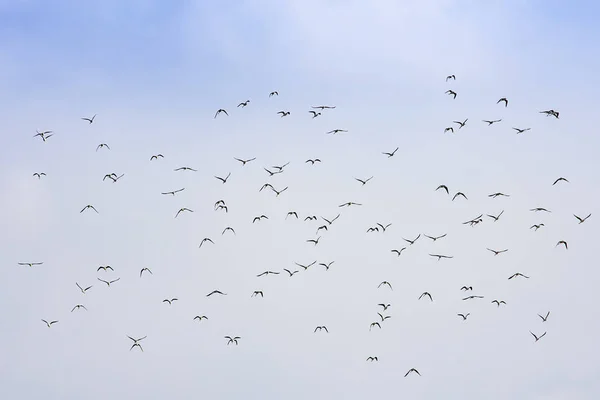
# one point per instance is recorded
(102, 145)
(185, 169)
(538, 337)
(464, 316)
(426, 294)
(259, 218)
(145, 269)
(283, 113)
(459, 194)
(434, 238)
(224, 180)
(390, 154)
(228, 229)
(323, 107)
(398, 252)
(519, 130)
(105, 268)
(174, 191)
(499, 302)
(200, 317)
(290, 272)
(334, 131)
(82, 289)
(582, 220)
(216, 292)
(461, 124)
(544, 318)
(372, 359)
(108, 282)
(306, 266)
(563, 242)
(49, 323)
(257, 292)
(385, 306)
(326, 265)
(219, 111)
(503, 99)
(39, 174)
(450, 77)
(170, 301)
(156, 157)
(560, 179)
(518, 274)
(385, 283)
(443, 187)
(538, 209)
(244, 162)
(78, 306)
(312, 162)
(412, 370)
(30, 264)
(411, 242)
(244, 103)
(496, 252)
(90, 120)
(449, 129)
(451, 93)
(205, 240)
(439, 256)
(350, 203)
(89, 206)
(364, 181)
(275, 93)
(232, 339)
(490, 122)
(314, 114)
(494, 195)
(496, 217)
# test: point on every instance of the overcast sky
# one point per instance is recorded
(155, 72)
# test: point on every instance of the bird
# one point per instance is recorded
(332, 221)
(228, 229)
(314, 114)
(266, 185)
(459, 194)
(323, 107)
(451, 93)
(185, 169)
(374, 324)
(412, 370)
(550, 112)
(519, 130)
(314, 241)
(89, 206)
(232, 339)
(384, 227)
(492, 121)
(101, 146)
(182, 210)
(39, 174)
(205, 240)
(156, 157)
(474, 221)
(426, 294)
(281, 167)
(443, 187)
(30, 264)
(334, 131)
(582, 220)
(449, 129)
(518, 274)
(375, 229)
(499, 302)
(278, 192)
(559, 180)
(494, 195)
(503, 99)
(294, 213)
(350, 203)
(473, 297)
(259, 218)
(221, 110)
(49, 323)
(306, 266)
(105, 268)
(385, 283)
(385, 306)
(275, 93)
(384, 317)
(90, 120)
(267, 273)
(312, 162)
(434, 238)
(136, 343)
(222, 207)
(450, 77)
(372, 359)
(464, 316)
(43, 135)
(174, 191)
(326, 265)
(321, 328)
(145, 269)
(216, 292)
(496, 252)
(200, 317)
(544, 318)
(439, 256)
(109, 282)
(497, 217)
(224, 180)
(461, 124)
(364, 181)
(170, 301)
(398, 252)
(563, 242)
(114, 177)
(390, 154)
(538, 209)
(283, 113)
(82, 289)
(291, 272)
(411, 242)
(538, 337)
(244, 103)
(466, 288)
(538, 226)
(257, 292)
(78, 306)
(244, 162)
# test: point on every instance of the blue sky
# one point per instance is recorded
(155, 72)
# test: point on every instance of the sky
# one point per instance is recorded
(155, 72)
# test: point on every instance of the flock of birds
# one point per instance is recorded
(274, 170)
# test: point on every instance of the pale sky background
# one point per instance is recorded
(155, 72)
